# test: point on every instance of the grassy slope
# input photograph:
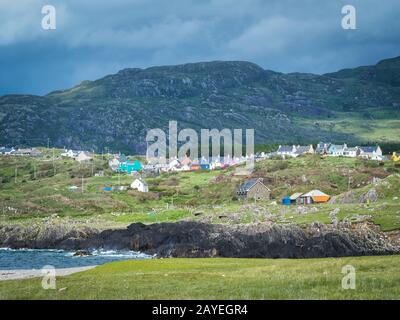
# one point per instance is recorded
(366, 129)
(177, 196)
(376, 278)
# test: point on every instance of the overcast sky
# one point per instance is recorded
(98, 37)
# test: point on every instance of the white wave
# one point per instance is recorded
(97, 253)
(32, 250)
(120, 254)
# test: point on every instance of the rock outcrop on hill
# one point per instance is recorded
(193, 239)
(116, 111)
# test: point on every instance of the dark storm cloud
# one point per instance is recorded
(97, 37)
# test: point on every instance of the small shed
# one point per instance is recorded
(314, 196)
(286, 201)
(295, 197)
(205, 166)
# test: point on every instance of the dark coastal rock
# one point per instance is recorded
(45, 236)
(82, 253)
(194, 239)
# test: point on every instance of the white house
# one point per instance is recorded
(70, 153)
(294, 151)
(174, 164)
(350, 152)
(83, 156)
(140, 185)
(114, 164)
(371, 153)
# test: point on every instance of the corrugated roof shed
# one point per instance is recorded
(294, 196)
(314, 193)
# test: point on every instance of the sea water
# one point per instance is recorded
(37, 259)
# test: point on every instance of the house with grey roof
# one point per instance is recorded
(300, 150)
(286, 151)
(322, 147)
(371, 153)
(30, 152)
(253, 189)
(6, 151)
(294, 151)
(336, 150)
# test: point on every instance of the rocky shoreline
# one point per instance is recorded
(194, 239)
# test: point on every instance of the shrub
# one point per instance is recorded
(279, 165)
(393, 170)
(370, 164)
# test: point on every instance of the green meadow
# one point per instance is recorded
(218, 278)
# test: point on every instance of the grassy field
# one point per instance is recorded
(368, 129)
(376, 278)
(36, 189)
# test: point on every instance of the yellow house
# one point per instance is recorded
(395, 157)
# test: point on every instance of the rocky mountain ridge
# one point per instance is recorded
(116, 111)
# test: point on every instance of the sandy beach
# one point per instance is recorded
(33, 273)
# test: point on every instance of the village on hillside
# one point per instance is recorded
(250, 189)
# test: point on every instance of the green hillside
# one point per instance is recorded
(115, 112)
(37, 190)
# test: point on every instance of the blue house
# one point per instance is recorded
(205, 166)
(130, 166)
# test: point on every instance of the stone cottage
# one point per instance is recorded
(253, 189)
